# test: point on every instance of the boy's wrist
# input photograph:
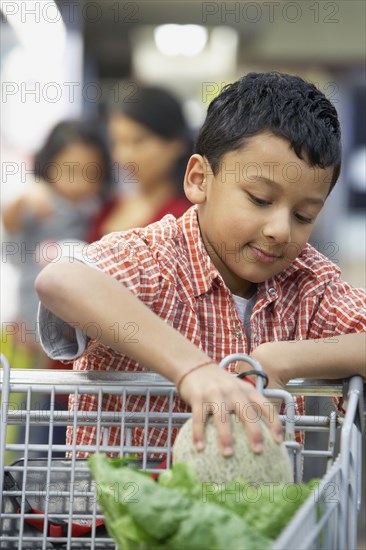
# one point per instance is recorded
(186, 372)
(276, 359)
(179, 369)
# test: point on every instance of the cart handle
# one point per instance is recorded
(281, 394)
(68, 378)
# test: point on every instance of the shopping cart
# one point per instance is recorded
(49, 501)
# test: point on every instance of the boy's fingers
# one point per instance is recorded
(252, 408)
(274, 423)
(225, 438)
(258, 408)
(198, 427)
(250, 418)
(271, 418)
(200, 414)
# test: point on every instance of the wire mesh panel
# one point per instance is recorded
(48, 495)
(328, 519)
(47, 432)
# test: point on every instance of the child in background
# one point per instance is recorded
(71, 182)
(234, 274)
(150, 138)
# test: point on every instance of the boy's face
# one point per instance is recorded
(258, 212)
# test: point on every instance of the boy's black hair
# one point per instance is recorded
(282, 104)
(85, 131)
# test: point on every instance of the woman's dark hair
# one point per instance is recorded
(282, 104)
(86, 132)
(160, 112)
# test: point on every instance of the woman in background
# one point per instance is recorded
(150, 139)
(70, 185)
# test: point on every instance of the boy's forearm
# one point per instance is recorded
(337, 357)
(91, 300)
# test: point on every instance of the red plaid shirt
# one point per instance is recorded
(167, 266)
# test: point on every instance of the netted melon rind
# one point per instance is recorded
(271, 466)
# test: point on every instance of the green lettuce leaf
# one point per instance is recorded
(179, 512)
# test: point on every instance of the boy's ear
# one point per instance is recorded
(195, 184)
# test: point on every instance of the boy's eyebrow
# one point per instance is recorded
(314, 200)
(273, 183)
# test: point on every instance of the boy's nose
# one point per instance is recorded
(278, 227)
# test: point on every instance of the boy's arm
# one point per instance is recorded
(85, 296)
(340, 356)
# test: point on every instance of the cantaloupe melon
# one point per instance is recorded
(272, 465)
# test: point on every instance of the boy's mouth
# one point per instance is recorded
(264, 255)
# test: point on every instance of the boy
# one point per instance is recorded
(234, 274)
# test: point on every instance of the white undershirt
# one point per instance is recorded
(241, 305)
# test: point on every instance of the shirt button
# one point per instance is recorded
(238, 333)
(272, 291)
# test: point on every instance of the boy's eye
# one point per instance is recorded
(304, 219)
(258, 201)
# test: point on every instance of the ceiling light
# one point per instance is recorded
(187, 40)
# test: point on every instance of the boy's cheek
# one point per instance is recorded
(294, 249)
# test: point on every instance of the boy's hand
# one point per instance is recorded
(212, 390)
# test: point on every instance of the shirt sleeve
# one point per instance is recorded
(60, 340)
(342, 310)
(126, 257)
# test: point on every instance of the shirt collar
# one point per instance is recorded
(204, 273)
(311, 261)
(299, 263)
(314, 265)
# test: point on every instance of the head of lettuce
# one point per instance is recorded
(180, 512)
